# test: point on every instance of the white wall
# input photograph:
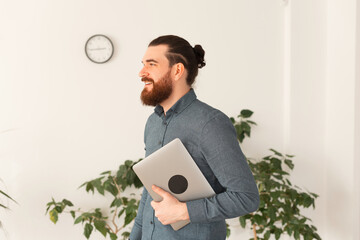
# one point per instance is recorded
(72, 119)
(340, 121)
(357, 128)
(323, 100)
(307, 114)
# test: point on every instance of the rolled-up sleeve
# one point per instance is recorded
(220, 148)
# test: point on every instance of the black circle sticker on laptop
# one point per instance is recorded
(178, 184)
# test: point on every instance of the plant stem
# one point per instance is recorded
(113, 221)
(254, 230)
(117, 228)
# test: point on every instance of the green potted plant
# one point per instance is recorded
(280, 201)
(122, 209)
(278, 213)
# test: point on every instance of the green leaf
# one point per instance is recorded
(67, 203)
(98, 185)
(228, 231)
(82, 185)
(289, 229)
(232, 120)
(246, 113)
(105, 173)
(272, 213)
(288, 182)
(267, 235)
(7, 196)
(113, 236)
(129, 217)
(121, 212)
(251, 122)
(296, 234)
(314, 195)
(289, 163)
(303, 220)
(125, 200)
(101, 227)
(98, 213)
(241, 137)
(308, 236)
(72, 214)
(137, 182)
(239, 130)
(121, 172)
(317, 236)
(89, 187)
(87, 230)
(54, 216)
(59, 209)
(47, 209)
(276, 163)
(276, 152)
(128, 163)
(262, 203)
(275, 194)
(245, 126)
(111, 188)
(261, 187)
(126, 235)
(79, 219)
(257, 219)
(242, 220)
(277, 234)
(313, 228)
(308, 201)
(130, 176)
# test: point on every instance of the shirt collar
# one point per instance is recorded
(180, 105)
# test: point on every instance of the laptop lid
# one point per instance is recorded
(173, 169)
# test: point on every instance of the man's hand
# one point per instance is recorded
(169, 210)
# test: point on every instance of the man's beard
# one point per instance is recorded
(160, 91)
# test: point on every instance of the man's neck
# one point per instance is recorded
(174, 97)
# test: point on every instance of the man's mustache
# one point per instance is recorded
(145, 79)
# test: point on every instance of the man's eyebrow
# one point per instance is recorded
(151, 60)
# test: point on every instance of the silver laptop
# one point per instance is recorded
(173, 169)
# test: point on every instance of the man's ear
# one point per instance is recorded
(178, 71)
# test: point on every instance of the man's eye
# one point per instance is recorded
(152, 64)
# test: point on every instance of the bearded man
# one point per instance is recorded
(170, 67)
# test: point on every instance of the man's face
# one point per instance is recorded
(156, 75)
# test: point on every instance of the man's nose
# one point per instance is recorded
(143, 73)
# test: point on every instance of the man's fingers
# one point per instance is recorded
(153, 204)
(159, 191)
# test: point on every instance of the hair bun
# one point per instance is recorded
(199, 53)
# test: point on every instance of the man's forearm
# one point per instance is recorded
(222, 206)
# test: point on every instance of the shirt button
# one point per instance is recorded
(151, 222)
(164, 123)
(159, 142)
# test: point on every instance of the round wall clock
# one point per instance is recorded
(99, 48)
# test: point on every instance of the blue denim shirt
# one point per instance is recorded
(210, 138)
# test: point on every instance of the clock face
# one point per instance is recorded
(99, 48)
